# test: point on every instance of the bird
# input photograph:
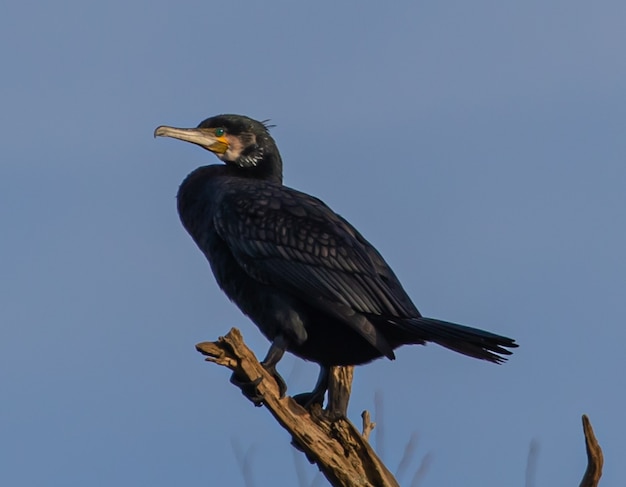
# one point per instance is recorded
(304, 275)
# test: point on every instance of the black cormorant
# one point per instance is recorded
(307, 278)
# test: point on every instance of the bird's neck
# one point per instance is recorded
(268, 168)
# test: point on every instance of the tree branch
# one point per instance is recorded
(328, 439)
(339, 389)
(595, 459)
(340, 451)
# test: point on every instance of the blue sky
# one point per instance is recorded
(479, 145)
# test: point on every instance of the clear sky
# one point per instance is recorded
(481, 146)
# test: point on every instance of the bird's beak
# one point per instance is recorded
(205, 138)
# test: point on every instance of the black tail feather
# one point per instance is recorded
(463, 339)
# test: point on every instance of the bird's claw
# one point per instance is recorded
(308, 399)
(280, 382)
(248, 388)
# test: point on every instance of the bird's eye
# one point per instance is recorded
(219, 132)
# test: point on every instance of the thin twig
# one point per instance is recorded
(368, 424)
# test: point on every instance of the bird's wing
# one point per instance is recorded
(295, 242)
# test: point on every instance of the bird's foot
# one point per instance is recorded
(282, 386)
(316, 396)
(248, 388)
(308, 399)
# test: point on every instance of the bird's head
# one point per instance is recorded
(235, 139)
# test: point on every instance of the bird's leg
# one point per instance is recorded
(249, 388)
(316, 396)
(274, 354)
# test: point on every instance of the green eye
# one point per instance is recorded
(219, 132)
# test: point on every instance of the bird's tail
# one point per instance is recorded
(463, 339)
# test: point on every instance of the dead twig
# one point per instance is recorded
(368, 424)
(595, 459)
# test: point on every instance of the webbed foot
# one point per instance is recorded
(316, 396)
(274, 354)
(308, 399)
(282, 385)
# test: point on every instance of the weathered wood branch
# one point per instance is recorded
(368, 424)
(595, 459)
(339, 389)
(340, 451)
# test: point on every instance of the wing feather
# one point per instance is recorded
(295, 242)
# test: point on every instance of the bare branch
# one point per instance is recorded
(339, 388)
(368, 424)
(595, 459)
(328, 439)
(340, 451)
